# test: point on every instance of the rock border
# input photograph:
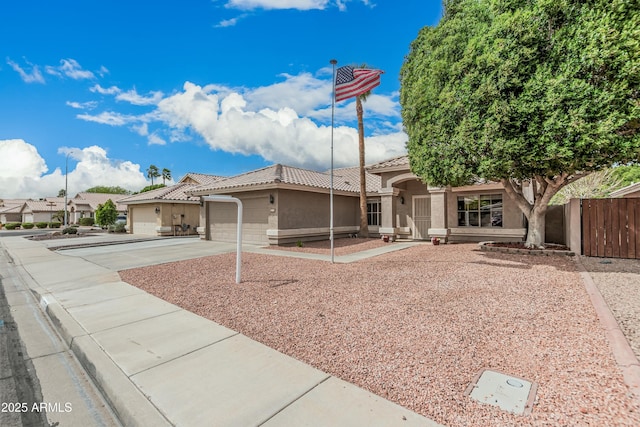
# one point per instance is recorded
(484, 246)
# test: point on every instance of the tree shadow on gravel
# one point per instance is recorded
(525, 262)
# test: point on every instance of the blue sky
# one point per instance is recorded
(209, 86)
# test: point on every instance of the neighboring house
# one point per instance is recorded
(412, 209)
(166, 211)
(10, 210)
(286, 204)
(84, 205)
(41, 210)
(629, 191)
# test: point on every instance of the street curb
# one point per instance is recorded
(132, 407)
(625, 357)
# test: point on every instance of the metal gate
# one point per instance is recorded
(421, 217)
(611, 228)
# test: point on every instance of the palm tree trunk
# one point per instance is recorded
(364, 227)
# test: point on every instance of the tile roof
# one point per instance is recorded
(43, 205)
(94, 199)
(346, 179)
(396, 162)
(175, 192)
(199, 178)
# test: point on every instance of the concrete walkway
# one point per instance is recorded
(160, 365)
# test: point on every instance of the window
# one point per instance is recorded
(373, 213)
(480, 211)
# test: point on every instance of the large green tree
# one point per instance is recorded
(106, 214)
(531, 93)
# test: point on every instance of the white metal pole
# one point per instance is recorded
(333, 108)
(222, 198)
(66, 187)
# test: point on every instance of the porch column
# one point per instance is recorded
(388, 210)
(438, 212)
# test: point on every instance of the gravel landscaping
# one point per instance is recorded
(415, 326)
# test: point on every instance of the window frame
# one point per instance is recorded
(473, 208)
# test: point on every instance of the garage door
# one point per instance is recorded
(144, 220)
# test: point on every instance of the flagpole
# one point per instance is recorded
(333, 108)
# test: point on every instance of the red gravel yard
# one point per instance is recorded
(415, 326)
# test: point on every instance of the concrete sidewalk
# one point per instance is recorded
(158, 364)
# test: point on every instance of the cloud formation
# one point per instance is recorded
(273, 121)
(23, 172)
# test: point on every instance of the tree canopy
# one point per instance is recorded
(531, 93)
(107, 190)
(106, 214)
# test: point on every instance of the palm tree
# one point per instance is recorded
(152, 173)
(166, 174)
(364, 225)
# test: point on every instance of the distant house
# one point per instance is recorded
(10, 210)
(166, 211)
(629, 191)
(84, 205)
(285, 204)
(41, 210)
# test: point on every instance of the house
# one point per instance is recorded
(84, 205)
(43, 210)
(166, 211)
(415, 210)
(632, 190)
(10, 210)
(284, 204)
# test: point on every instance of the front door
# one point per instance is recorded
(421, 217)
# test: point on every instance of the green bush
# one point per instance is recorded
(70, 230)
(86, 221)
(42, 224)
(27, 225)
(55, 224)
(12, 225)
(117, 228)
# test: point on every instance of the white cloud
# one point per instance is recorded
(277, 134)
(70, 68)
(286, 122)
(23, 172)
(290, 4)
(34, 76)
(89, 105)
(113, 90)
(134, 98)
(109, 118)
(155, 139)
(277, 4)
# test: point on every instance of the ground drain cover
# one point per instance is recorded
(510, 393)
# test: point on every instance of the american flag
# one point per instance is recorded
(352, 81)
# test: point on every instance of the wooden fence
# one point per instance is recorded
(611, 228)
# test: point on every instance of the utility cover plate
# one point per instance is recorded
(510, 393)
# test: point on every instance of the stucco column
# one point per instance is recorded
(438, 196)
(388, 210)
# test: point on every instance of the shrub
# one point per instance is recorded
(27, 225)
(117, 228)
(70, 230)
(86, 221)
(55, 224)
(13, 225)
(42, 224)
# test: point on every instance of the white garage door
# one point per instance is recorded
(144, 220)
